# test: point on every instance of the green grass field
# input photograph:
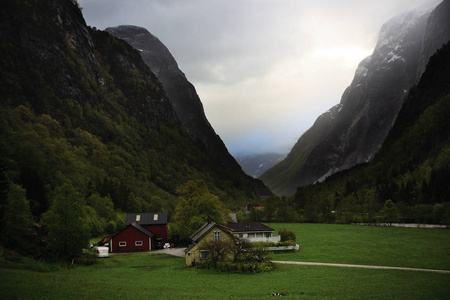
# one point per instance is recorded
(370, 245)
(156, 276)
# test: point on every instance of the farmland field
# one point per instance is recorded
(157, 276)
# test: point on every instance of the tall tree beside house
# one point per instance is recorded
(196, 204)
(17, 219)
(67, 231)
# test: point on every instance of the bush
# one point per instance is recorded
(287, 235)
(87, 258)
(238, 267)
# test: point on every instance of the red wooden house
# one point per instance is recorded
(143, 232)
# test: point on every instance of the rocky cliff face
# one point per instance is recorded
(351, 132)
(179, 90)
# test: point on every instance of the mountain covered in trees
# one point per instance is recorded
(84, 119)
(352, 132)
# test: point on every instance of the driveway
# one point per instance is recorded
(178, 252)
(359, 266)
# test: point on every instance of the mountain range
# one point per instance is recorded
(351, 132)
(109, 116)
(80, 107)
(257, 164)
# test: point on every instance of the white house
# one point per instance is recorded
(253, 232)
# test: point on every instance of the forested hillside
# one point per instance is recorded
(408, 180)
(84, 118)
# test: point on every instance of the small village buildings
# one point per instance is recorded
(253, 232)
(209, 231)
(142, 232)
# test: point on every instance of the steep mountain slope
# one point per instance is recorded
(81, 107)
(257, 164)
(352, 132)
(411, 169)
(179, 90)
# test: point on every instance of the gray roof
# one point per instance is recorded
(202, 230)
(248, 227)
(153, 218)
(142, 229)
(138, 227)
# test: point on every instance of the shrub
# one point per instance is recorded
(239, 267)
(287, 235)
(87, 258)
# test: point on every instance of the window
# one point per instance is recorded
(155, 217)
(217, 235)
(203, 255)
(241, 235)
(138, 218)
(122, 244)
(268, 234)
(138, 243)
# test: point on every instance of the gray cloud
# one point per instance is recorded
(264, 69)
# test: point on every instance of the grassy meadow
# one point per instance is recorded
(369, 245)
(157, 276)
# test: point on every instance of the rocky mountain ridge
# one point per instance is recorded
(179, 90)
(352, 131)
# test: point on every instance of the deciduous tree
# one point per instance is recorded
(67, 233)
(17, 219)
(195, 204)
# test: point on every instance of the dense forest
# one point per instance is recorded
(87, 130)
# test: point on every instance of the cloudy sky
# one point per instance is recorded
(264, 69)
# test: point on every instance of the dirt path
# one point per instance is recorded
(179, 252)
(360, 266)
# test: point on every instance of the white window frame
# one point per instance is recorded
(216, 236)
(140, 243)
(122, 244)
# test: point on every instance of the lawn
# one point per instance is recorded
(369, 245)
(157, 276)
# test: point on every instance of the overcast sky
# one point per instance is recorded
(264, 69)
